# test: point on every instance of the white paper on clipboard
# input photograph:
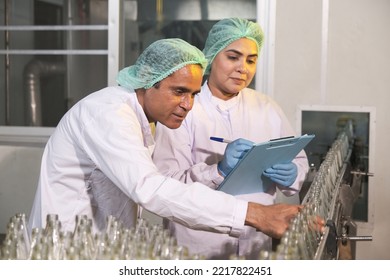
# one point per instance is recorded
(246, 177)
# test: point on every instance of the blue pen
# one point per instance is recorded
(219, 139)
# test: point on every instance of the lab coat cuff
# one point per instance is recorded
(217, 178)
(294, 188)
(239, 218)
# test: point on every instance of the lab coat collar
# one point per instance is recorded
(144, 123)
(221, 105)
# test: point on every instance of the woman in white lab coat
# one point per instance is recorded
(226, 108)
(98, 160)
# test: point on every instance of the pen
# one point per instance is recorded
(219, 139)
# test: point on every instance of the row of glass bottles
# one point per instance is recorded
(142, 242)
(303, 236)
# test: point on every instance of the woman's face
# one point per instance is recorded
(233, 68)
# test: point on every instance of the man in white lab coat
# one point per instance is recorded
(98, 160)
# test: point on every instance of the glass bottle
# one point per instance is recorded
(52, 236)
(22, 228)
(36, 237)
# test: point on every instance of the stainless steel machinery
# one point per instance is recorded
(332, 193)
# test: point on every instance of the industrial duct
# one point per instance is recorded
(33, 72)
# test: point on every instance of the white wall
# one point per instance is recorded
(21, 150)
(19, 169)
(357, 73)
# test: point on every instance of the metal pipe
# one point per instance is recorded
(7, 64)
(356, 238)
(33, 72)
(69, 58)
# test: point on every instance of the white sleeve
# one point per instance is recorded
(173, 157)
(114, 142)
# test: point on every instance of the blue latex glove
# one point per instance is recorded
(283, 174)
(233, 153)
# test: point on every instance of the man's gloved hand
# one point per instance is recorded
(233, 153)
(283, 174)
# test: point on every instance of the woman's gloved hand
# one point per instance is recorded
(233, 153)
(283, 174)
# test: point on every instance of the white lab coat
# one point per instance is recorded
(188, 154)
(98, 162)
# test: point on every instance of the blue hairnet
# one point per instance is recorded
(158, 61)
(225, 31)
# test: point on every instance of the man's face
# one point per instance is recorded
(170, 102)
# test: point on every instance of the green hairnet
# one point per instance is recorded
(225, 31)
(158, 61)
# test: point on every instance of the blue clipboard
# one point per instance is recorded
(246, 177)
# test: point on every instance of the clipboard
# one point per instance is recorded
(246, 177)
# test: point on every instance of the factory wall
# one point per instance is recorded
(355, 72)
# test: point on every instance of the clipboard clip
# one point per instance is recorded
(282, 138)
